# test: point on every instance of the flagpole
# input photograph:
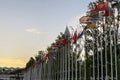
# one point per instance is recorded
(72, 70)
(93, 60)
(97, 59)
(101, 56)
(60, 63)
(111, 55)
(68, 59)
(57, 64)
(115, 54)
(85, 59)
(72, 63)
(76, 64)
(63, 63)
(80, 72)
(118, 19)
(105, 40)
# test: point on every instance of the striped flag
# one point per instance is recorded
(85, 20)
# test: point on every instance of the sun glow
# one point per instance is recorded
(12, 62)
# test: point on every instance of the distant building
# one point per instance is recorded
(11, 74)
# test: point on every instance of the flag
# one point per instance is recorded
(75, 37)
(93, 25)
(63, 41)
(57, 45)
(109, 12)
(102, 6)
(80, 35)
(53, 54)
(94, 20)
(110, 0)
(117, 5)
(94, 11)
(94, 15)
(85, 20)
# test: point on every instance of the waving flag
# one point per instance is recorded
(75, 37)
(117, 5)
(80, 34)
(93, 25)
(85, 20)
(109, 13)
(102, 6)
(110, 0)
(57, 45)
(63, 41)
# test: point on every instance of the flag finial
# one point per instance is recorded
(67, 32)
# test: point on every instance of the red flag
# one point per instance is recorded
(102, 6)
(75, 37)
(64, 41)
(57, 45)
(109, 13)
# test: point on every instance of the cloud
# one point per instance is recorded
(33, 30)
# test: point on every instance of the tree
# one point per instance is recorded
(39, 56)
(30, 62)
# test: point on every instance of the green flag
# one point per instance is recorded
(117, 5)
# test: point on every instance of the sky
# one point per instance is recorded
(28, 26)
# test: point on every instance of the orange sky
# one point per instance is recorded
(12, 63)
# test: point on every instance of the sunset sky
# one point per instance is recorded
(27, 26)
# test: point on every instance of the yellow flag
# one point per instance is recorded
(93, 25)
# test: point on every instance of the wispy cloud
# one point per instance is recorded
(33, 30)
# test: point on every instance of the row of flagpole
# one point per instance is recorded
(66, 67)
(101, 64)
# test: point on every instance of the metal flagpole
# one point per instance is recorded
(106, 55)
(59, 64)
(60, 53)
(72, 70)
(40, 71)
(93, 59)
(118, 19)
(79, 68)
(80, 72)
(105, 40)
(51, 74)
(63, 63)
(111, 54)
(68, 59)
(101, 46)
(76, 65)
(97, 58)
(85, 59)
(115, 53)
(71, 55)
